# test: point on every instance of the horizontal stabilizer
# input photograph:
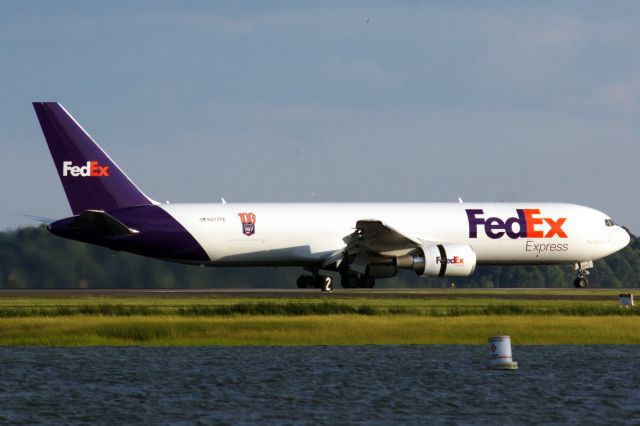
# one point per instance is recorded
(101, 223)
(41, 219)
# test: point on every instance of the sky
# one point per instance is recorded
(330, 101)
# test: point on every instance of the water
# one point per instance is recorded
(318, 385)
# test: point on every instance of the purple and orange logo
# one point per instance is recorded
(528, 223)
(248, 223)
(455, 260)
(92, 168)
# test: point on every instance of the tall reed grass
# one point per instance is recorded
(339, 329)
(317, 308)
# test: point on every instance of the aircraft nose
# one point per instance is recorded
(623, 237)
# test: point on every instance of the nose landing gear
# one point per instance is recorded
(581, 280)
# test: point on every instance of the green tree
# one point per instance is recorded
(33, 258)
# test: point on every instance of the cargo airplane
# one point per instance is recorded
(360, 241)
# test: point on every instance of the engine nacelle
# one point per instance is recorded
(442, 260)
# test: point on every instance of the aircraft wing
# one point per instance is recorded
(372, 238)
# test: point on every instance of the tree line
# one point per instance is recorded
(31, 257)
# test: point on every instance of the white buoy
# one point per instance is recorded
(500, 357)
(625, 300)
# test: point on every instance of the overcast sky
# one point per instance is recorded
(361, 101)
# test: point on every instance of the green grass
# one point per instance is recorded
(314, 330)
(405, 298)
(459, 318)
(272, 308)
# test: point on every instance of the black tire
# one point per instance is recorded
(367, 282)
(349, 281)
(580, 282)
(305, 281)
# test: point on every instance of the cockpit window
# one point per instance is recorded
(609, 222)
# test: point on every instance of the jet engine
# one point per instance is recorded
(442, 260)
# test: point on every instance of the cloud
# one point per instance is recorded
(613, 97)
(624, 95)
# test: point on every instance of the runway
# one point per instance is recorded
(506, 293)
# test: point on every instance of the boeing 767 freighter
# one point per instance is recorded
(360, 241)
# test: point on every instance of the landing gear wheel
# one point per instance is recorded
(580, 282)
(349, 281)
(315, 281)
(367, 282)
(305, 281)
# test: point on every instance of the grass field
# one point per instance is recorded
(405, 317)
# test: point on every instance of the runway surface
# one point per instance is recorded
(508, 294)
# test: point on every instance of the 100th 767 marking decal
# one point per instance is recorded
(248, 223)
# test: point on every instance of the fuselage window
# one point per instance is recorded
(608, 222)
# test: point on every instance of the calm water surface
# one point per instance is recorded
(319, 385)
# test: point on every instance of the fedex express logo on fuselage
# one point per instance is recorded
(528, 223)
(455, 260)
(92, 168)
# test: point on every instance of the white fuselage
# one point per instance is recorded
(306, 234)
(371, 239)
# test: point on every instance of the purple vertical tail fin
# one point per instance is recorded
(91, 180)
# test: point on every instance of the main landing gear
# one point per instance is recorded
(348, 279)
(354, 280)
(315, 281)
